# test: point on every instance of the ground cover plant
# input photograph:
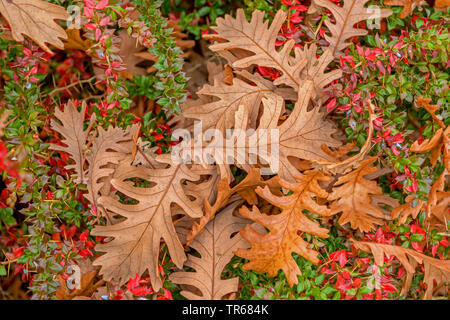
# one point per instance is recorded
(224, 149)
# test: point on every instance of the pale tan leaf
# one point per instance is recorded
(425, 103)
(75, 41)
(109, 148)
(74, 137)
(429, 144)
(136, 242)
(411, 208)
(346, 17)
(219, 114)
(245, 188)
(341, 167)
(35, 19)
(3, 121)
(341, 151)
(438, 204)
(315, 70)
(301, 135)
(215, 246)
(87, 284)
(138, 60)
(257, 37)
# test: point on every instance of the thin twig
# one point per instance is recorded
(72, 85)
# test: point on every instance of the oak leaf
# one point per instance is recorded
(75, 41)
(3, 121)
(136, 242)
(245, 188)
(341, 167)
(352, 195)
(441, 4)
(347, 16)
(341, 151)
(75, 137)
(408, 5)
(255, 36)
(438, 204)
(215, 246)
(439, 141)
(219, 114)
(435, 270)
(35, 19)
(109, 148)
(301, 135)
(411, 208)
(431, 108)
(315, 70)
(273, 251)
(138, 60)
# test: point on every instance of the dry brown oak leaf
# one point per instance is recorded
(301, 135)
(136, 242)
(434, 269)
(257, 37)
(74, 41)
(410, 5)
(315, 70)
(436, 207)
(352, 195)
(440, 140)
(224, 192)
(441, 4)
(219, 114)
(215, 246)
(75, 137)
(35, 19)
(438, 204)
(245, 188)
(109, 148)
(341, 167)
(3, 121)
(411, 208)
(135, 55)
(347, 16)
(272, 252)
